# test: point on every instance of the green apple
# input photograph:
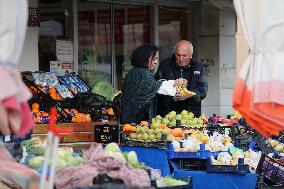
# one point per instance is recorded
(133, 136)
(145, 136)
(191, 115)
(165, 131)
(150, 131)
(172, 123)
(159, 136)
(157, 130)
(184, 112)
(138, 129)
(152, 137)
(179, 116)
(165, 121)
(173, 113)
(154, 125)
(183, 122)
(139, 136)
(158, 117)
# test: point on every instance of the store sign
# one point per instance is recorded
(106, 133)
(33, 20)
(64, 50)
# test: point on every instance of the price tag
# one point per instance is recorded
(7, 138)
(106, 133)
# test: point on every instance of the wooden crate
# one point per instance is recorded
(82, 132)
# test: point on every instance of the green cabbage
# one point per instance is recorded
(132, 158)
(112, 147)
(117, 155)
(104, 89)
(36, 161)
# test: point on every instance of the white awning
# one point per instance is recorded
(259, 92)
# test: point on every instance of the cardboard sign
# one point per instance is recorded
(55, 67)
(64, 50)
(60, 67)
(105, 133)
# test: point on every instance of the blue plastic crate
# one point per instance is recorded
(241, 168)
(201, 154)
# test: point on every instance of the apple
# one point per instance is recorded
(154, 125)
(179, 116)
(172, 123)
(165, 121)
(184, 112)
(158, 117)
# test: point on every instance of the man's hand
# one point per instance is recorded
(179, 97)
(180, 82)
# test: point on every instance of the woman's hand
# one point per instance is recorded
(180, 82)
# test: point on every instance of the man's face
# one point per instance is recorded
(183, 55)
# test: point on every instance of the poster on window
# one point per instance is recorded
(64, 50)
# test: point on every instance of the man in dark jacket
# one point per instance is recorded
(181, 65)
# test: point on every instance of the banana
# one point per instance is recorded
(179, 89)
(187, 92)
(184, 92)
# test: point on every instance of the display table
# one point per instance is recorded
(153, 157)
(203, 180)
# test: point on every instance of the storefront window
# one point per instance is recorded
(55, 23)
(131, 26)
(174, 24)
(94, 42)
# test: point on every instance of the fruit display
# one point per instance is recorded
(43, 117)
(214, 143)
(66, 158)
(186, 119)
(146, 134)
(250, 157)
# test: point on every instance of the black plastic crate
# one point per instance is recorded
(192, 164)
(271, 169)
(263, 183)
(242, 141)
(263, 144)
(241, 168)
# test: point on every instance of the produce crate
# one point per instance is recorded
(93, 104)
(241, 168)
(102, 181)
(47, 102)
(263, 183)
(201, 154)
(163, 144)
(242, 142)
(185, 179)
(192, 164)
(271, 169)
(263, 144)
(82, 132)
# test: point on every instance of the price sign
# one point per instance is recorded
(33, 20)
(106, 133)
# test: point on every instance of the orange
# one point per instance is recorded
(45, 114)
(35, 106)
(52, 90)
(143, 123)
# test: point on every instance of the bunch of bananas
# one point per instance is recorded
(184, 92)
